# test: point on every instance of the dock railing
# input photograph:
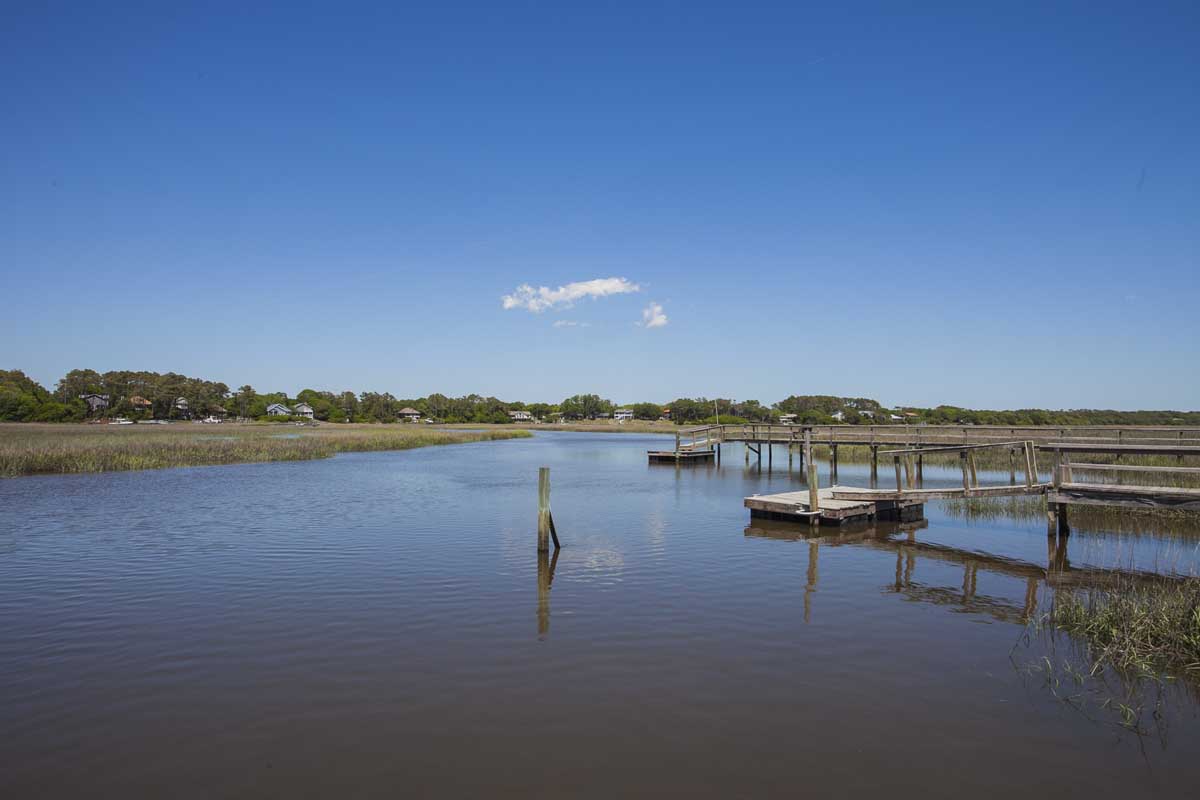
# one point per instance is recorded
(911, 436)
(907, 458)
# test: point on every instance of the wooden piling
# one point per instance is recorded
(920, 470)
(813, 503)
(874, 462)
(543, 533)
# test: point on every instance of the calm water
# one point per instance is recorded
(372, 625)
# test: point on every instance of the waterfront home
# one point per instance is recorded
(520, 416)
(408, 414)
(303, 410)
(140, 403)
(623, 414)
(278, 410)
(666, 414)
(838, 416)
(787, 419)
(181, 405)
(95, 402)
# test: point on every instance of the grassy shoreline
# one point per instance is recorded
(56, 449)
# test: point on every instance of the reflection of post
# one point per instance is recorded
(969, 573)
(545, 578)
(811, 585)
(899, 562)
(1031, 587)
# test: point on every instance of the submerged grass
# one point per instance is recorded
(1142, 629)
(33, 449)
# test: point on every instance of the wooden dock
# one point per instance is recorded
(795, 507)
(680, 456)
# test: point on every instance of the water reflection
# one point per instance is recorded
(901, 538)
(545, 579)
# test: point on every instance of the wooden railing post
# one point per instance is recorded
(1030, 466)
(962, 457)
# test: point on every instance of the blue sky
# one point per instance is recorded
(986, 206)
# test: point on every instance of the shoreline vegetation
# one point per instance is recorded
(84, 394)
(53, 449)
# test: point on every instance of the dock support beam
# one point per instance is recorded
(920, 470)
(833, 459)
(874, 462)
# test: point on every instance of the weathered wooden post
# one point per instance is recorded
(543, 523)
(874, 461)
(920, 470)
(962, 457)
(813, 502)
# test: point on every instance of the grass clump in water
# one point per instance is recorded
(1146, 629)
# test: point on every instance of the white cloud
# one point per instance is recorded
(653, 316)
(539, 299)
(570, 323)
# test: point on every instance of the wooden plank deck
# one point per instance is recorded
(1127, 495)
(830, 509)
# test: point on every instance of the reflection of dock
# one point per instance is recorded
(901, 538)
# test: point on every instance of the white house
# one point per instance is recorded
(787, 419)
(408, 414)
(838, 415)
(278, 410)
(623, 414)
(303, 410)
(520, 416)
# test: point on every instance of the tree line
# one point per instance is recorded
(149, 395)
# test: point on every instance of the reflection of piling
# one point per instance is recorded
(545, 578)
(810, 584)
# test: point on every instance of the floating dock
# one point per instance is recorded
(680, 456)
(794, 507)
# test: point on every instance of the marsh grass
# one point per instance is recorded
(1120, 650)
(1140, 629)
(34, 449)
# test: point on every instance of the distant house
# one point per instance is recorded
(838, 416)
(140, 403)
(787, 419)
(623, 414)
(303, 410)
(666, 413)
(181, 405)
(896, 418)
(409, 415)
(217, 411)
(95, 402)
(520, 416)
(278, 410)
(867, 413)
